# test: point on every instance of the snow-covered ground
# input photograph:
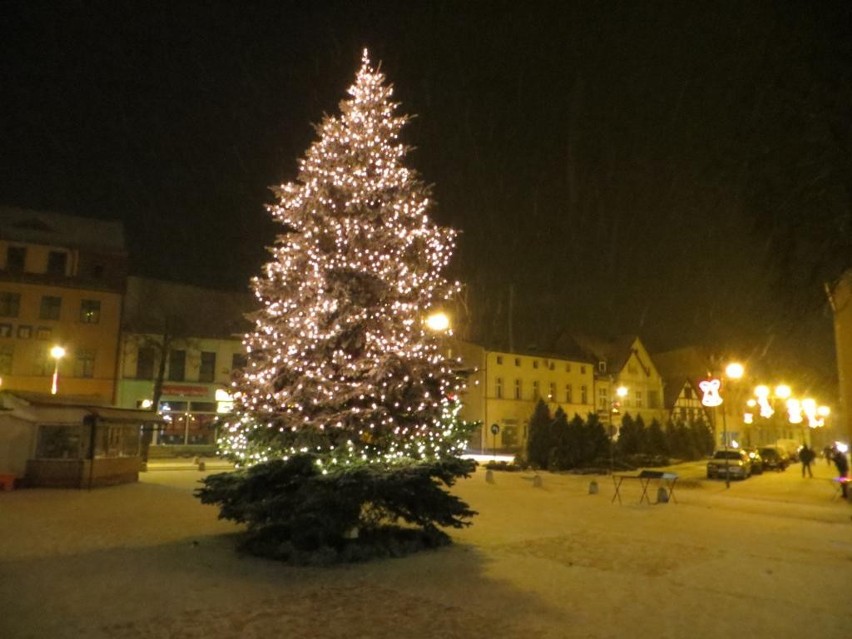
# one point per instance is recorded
(768, 557)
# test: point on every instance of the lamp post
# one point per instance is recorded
(57, 353)
(615, 408)
(733, 372)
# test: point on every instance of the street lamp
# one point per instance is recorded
(57, 353)
(615, 408)
(438, 322)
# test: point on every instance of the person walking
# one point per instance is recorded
(806, 456)
(842, 470)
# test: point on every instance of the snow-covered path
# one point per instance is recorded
(765, 558)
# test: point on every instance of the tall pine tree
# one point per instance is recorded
(340, 363)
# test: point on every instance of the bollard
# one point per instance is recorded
(662, 495)
(489, 476)
(593, 487)
(537, 481)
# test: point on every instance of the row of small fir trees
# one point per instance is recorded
(557, 443)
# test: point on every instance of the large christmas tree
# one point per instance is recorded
(340, 363)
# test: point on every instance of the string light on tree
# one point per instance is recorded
(340, 361)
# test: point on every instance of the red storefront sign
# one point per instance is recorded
(185, 391)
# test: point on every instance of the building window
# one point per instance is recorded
(569, 394)
(50, 307)
(44, 332)
(536, 390)
(552, 396)
(603, 398)
(498, 388)
(84, 363)
(16, 258)
(582, 370)
(6, 352)
(638, 399)
(499, 359)
(5, 330)
(584, 395)
(552, 366)
(57, 261)
(10, 304)
(145, 358)
(90, 311)
(517, 389)
(517, 361)
(25, 331)
(568, 367)
(43, 364)
(687, 392)
(177, 366)
(238, 361)
(535, 363)
(207, 371)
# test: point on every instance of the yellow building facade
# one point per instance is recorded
(61, 285)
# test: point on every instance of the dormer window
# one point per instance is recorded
(602, 367)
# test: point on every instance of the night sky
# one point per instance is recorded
(678, 170)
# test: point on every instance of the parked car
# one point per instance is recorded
(774, 458)
(756, 460)
(734, 461)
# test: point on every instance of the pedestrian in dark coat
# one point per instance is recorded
(806, 456)
(842, 469)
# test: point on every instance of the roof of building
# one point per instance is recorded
(615, 352)
(156, 306)
(36, 407)
(59, 229)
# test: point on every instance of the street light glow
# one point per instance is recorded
(734, 370)
(57, 353)
(782, 391)
(438, 322)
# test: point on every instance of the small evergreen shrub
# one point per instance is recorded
(297, 513)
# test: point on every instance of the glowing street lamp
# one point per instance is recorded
(438, 322)
(57, 353)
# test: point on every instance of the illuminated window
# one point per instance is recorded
(90, 311)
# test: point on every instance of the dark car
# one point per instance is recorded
(756, 460)
(774, 458)
(733, 463)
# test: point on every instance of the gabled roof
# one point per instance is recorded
(58, 229)
(615, 352)
(690, 362)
